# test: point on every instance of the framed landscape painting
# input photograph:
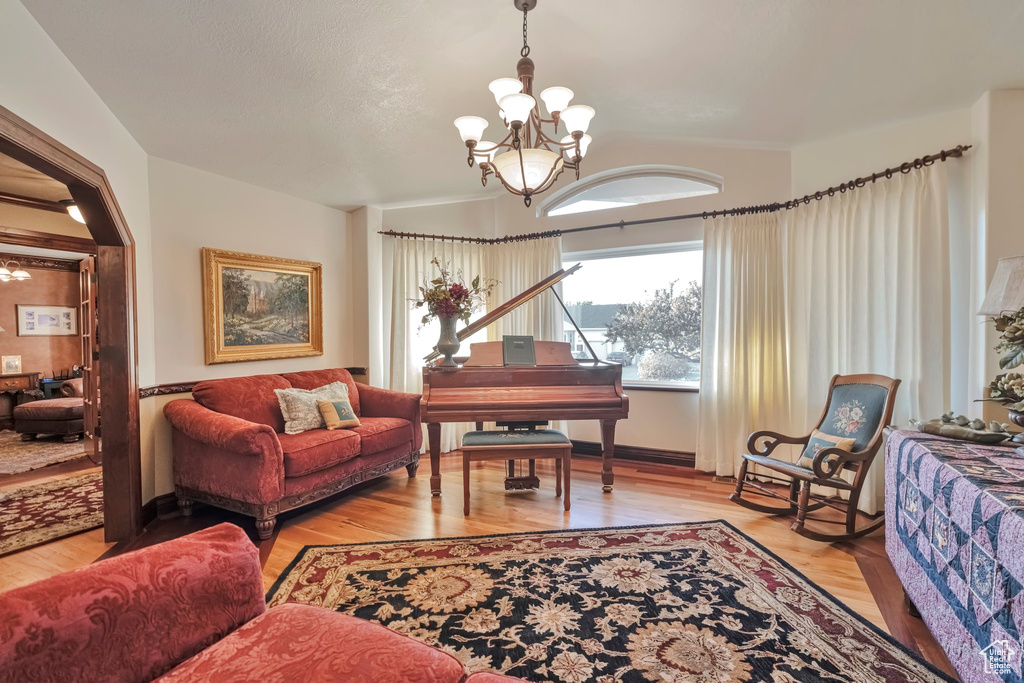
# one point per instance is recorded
(260, 307)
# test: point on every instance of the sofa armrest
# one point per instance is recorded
(219, 430)
(135, 616)
(377, 402)
(72, 388)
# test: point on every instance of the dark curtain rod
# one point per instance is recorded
(842, 188)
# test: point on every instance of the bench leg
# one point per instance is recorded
(465, 484)
(567, 473)
(558, 476)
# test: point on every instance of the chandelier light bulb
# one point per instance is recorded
(500, 87)
(538, 164)
(485, 147)
(577, 117)
(571, 151)
(556, 98)
(20, 274)
(517, 107)
(471, 128)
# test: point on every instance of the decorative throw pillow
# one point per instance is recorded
(338, 413)
(299, 406)
(819, 441)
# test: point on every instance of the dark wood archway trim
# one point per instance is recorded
(46, 240)
(115, 250)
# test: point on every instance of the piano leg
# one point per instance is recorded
(607, 453)
(434, 439)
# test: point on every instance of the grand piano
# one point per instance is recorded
(483, 389)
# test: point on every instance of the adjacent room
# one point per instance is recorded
(527, 340)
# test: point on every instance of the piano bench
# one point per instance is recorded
(484, 445)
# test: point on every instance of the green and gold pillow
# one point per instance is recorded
(338, 414)
(819, 441)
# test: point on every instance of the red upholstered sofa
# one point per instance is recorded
(192, 609)
(230, 449)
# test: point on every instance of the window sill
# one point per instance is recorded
(633, 386)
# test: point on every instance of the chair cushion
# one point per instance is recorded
(317, 450)
(295, 642)
(250, 398)
(854, 412)
(381, 433)
(70, 408)
(819, 441)
(311, 379)
(299, 406)
(539, 437)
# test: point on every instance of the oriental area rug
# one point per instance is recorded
(45, 512)
(18, 456)
(682, 602)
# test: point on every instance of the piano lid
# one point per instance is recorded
(514, 303)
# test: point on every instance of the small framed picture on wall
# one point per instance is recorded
(11, 365)
(47, 321)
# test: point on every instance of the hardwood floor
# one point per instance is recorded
(398, 507)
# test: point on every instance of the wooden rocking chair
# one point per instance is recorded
(847, 437)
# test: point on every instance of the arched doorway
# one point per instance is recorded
(115, 266)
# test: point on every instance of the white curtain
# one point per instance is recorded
(864, 280)
(516, 266)
(744, 379)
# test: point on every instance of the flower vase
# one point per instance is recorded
(448, 344)
(1017, 418)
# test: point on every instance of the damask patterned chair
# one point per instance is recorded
(847, 438)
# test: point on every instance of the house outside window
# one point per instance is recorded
(639, 307)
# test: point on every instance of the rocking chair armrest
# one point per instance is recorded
(828, 461)
(770, 440)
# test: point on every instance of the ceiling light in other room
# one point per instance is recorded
(6, 274)
(527, 161)
(73, 209)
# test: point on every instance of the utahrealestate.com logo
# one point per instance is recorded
(1001, 657)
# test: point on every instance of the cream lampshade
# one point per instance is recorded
(1006, 291)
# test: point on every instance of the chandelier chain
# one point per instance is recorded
(525, 52)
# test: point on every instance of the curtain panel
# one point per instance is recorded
(855, 283)
(516, 266)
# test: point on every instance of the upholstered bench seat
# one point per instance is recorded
(518, 445)
(63, 416)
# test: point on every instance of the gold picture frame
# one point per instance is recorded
(260, 307)
(10, 365)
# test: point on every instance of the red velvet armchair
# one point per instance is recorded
(230, 450)
(192, 609)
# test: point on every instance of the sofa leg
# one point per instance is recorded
(28, 437)
(185, 506)
(71, 438)
(265, 527)
(412, 467)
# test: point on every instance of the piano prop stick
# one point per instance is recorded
(558, 387)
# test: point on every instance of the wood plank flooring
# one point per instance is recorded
(398, 507)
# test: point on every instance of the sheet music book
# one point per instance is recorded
(518, 350)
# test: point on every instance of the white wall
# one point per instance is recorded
(193, 209)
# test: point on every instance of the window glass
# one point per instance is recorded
(641, 310)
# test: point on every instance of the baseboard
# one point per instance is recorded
(161, 506)
(638, 453)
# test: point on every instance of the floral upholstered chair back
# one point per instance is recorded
(858, 408)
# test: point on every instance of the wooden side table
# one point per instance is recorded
(515, 445)
(16, 387)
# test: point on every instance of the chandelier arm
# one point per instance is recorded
(507, 186)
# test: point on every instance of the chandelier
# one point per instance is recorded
(527, 161)
(19, 273)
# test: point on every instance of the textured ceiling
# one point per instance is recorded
(351, 102)
(17, 178)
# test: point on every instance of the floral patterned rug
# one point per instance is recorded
(682, 602)
(42, 513)
(18, 456)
